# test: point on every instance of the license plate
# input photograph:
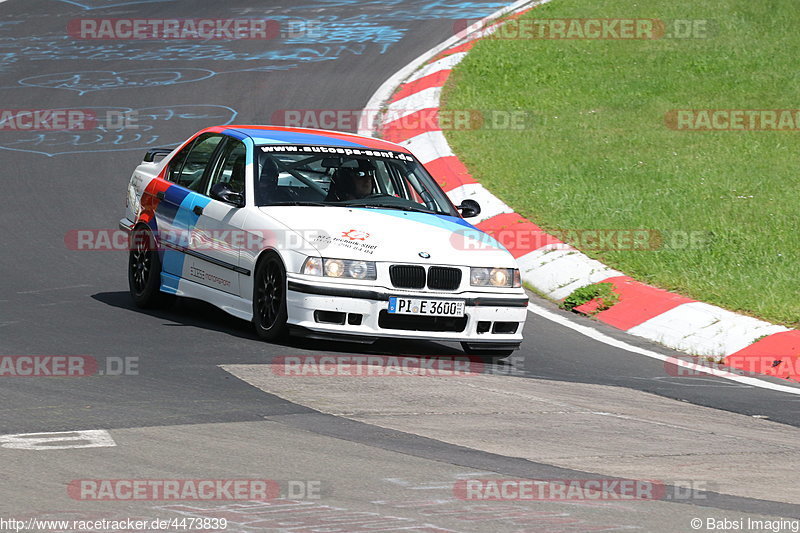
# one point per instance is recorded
(417, 306)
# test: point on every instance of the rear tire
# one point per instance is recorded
(269, 299)
(144, 270)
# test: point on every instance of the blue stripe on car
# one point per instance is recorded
(450, 223)
(167, 208)
(184, 222)
(291, 137)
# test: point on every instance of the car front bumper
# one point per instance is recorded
(333, 309)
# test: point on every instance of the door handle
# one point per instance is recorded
(198, 210)
(160, 195)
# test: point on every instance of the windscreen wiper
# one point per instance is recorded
(296, 202)
(394, 206)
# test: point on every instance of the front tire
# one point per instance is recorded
(144, 270)
(269, 299)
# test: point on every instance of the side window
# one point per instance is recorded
(409, 187)
(199, 156)
(174, 171)
(231, 167)
(386, 181)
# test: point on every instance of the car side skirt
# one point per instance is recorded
(230, 303)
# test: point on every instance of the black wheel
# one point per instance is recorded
(269, 299)
(144, 270)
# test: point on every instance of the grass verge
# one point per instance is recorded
(596, 152)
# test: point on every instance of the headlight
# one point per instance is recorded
(494, 277)
(334, 268)
(361, 270)
(339, 268)
(312, 266)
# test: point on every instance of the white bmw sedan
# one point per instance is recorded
(325, 233)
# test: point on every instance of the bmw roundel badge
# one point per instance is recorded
(425, 255)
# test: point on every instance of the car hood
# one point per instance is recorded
(392, 235)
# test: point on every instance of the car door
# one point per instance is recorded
(180, 207)
(213, 255)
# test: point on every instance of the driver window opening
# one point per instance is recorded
(231, 169)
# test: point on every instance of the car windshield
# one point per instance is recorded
(350, 177)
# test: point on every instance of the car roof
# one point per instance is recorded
(284, 135)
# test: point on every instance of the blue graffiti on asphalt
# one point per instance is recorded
(410, 11)
(63, 48)
(445, 10)
(335, 29)
(137, 133)
(6, 59)
(371, 26)
(99, 4)
(328, 37)
(98, 80)
(351, 32)
(38, 49)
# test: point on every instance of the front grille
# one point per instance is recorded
(407, 276)
(388, 320)
(444, 278)
(413, 277)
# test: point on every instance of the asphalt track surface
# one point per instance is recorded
(57, 301)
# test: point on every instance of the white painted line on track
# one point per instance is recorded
(622, 345)
(60, 440)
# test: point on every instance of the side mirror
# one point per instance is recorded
(469, 208)
(224, 193)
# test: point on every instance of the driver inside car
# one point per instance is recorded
(350, 184)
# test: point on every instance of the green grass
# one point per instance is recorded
(599, 155)
(603, 292)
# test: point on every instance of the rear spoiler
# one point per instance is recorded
(151, 155)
